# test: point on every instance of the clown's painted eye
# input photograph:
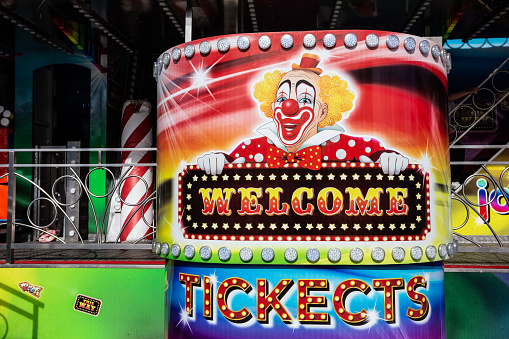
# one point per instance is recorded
(281, 99)
(305, 101)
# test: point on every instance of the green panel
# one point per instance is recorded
(132, 303)
(477, 305)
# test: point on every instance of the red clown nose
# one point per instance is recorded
(290, 107)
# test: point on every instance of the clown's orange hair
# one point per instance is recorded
(334, 92)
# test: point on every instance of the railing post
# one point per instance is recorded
(11, 210)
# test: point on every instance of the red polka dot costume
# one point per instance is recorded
(339, 148)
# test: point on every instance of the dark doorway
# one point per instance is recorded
(61, 110)
(61, 118)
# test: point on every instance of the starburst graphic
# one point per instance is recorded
(184, 318)
(200, 79)
(294, 325)
(373, 317)
(478, 222)
(425, 161)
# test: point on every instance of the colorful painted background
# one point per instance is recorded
(132, 303)
(476, 304)
(206, 104)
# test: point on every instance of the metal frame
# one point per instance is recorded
(62, 242)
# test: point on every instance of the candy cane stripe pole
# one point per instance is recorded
(136, 133)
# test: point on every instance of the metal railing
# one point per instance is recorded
(470, 120)
(68, 188)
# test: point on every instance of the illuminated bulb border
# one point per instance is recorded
(372, 40)
(309, 40)
(175, 250)
(329, 41)
(189, 252)
(431, 252)
(291, 255)
(165, 249)
(205, 253)
(313, 255)
(224, 254)
(286, 41)
(334, 255)
(268, 254)
(264, 42)
(349, 238)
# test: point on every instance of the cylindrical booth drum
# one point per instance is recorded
(303, 185)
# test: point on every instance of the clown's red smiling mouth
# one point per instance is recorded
(291, 127)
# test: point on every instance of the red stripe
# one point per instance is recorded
(126, 115)
(89, 262)
(138, 133)
(134, 221)
(485, 267)
(146, 158)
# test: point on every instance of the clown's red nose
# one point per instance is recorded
(290, 107)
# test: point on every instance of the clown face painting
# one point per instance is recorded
(305, 107)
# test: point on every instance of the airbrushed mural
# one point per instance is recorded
(302, 148)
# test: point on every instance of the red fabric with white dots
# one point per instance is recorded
(342, 148)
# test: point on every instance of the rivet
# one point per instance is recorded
(176, 54)
(205, 253)
(392, 42)
(378, 254)
(286, 41)
(224, 254)
(291, 255)
(329, 40)
(309, 40)
(313, 255)
(264, 42)
(165, 59)
(205, 47)
(246, 254)
(334, 255)
(189, 51)
(431, 252)
(356, 255)
(424, 47)
(450, 250)
(409, 44)
(243, 43)
(435, 51)
(267, 254)
(165, 249)
(398, 253)
(223, 45)
(442, 251)
(175, 250)
(372, 40)
(350, 40)
(189, 251)
(416, 253)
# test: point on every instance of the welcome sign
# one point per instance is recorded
(285, 148)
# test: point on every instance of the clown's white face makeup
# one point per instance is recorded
(298, 109)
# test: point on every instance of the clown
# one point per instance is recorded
(305, 108)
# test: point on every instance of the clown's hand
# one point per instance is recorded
(212, 163)
(392, 163)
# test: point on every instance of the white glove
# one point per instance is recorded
(392, 163)
(212, 163)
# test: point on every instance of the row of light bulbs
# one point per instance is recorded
(356, 254)
(350, 40)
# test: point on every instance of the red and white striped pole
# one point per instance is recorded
(136, 133)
